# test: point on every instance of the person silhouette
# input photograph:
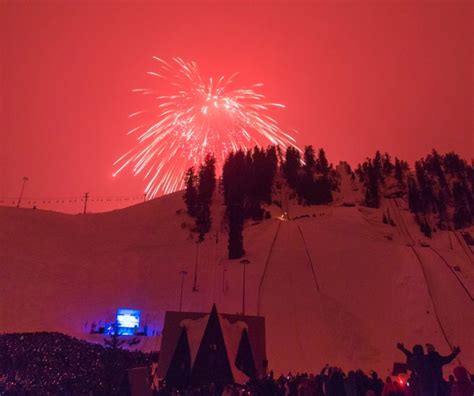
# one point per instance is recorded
(437, 362)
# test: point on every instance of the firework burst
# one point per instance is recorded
(199, 117)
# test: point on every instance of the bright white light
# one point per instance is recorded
(128, 318)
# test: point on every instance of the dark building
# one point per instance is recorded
(199, 348)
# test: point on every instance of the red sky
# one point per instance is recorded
(355, 76)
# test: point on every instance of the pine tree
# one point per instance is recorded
(377, 166)
(235, 185)
(372, 198)
(291, 166)
(191, 194)
(435, 161)
(360, 173)
(454, 164)
(279, 153)
(236, 227)
(271, 165)
(272, 160)
(426, 188)
(462, 214)
(309, 159)
(206, 187)
(207, 179)
(399, 173)
(470, 175)
(387, 165)
(470, 189)
(323, 188)
(323, 182)
(322, 165)
(306, 188)
(414, 201)
(253, 171)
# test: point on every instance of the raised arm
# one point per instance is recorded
(448, 359)
(402, 348)
(323, 371)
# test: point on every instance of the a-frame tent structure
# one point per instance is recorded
(211, 348)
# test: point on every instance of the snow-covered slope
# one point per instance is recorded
(334, 283)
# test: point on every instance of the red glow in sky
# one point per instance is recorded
(355, 77)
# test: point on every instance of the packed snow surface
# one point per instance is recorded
(334, 283)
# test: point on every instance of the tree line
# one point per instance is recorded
(373, 172)
(248, 179)
(200, 188)
(440, 191)
(311, 177)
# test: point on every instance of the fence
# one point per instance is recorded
(74, 204)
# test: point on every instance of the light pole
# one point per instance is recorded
(195, 288)
(224, 270)
(183, 274)
(86, 197)
(25, 179)
(244, 262)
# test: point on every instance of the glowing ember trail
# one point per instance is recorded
(198, 118)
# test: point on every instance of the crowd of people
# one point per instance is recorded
(424, 377)
(332, 381)
(56, 364)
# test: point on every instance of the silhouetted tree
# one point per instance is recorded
(314, 183)
(191, 194)
(323, 187)
(271, 169)
(462, 215)
(206, 187)
(372, 198)
(434, 165)
(414, 201)
(399, 174)
(309, 159)
(291, 166)
(425, 186)
(235, 185)
(322, 165)
(377, 166)
(453, 164)
(387, 165)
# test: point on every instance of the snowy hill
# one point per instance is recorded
(334, 283)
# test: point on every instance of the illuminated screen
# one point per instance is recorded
(128, 319)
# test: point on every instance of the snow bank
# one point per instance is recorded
(334, 283)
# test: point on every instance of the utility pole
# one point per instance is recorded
(183, 274)
(25, 179)
(195, 289)
(224, 270)
(86, 197)
(244, 262)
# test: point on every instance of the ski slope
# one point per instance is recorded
(334, 283)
